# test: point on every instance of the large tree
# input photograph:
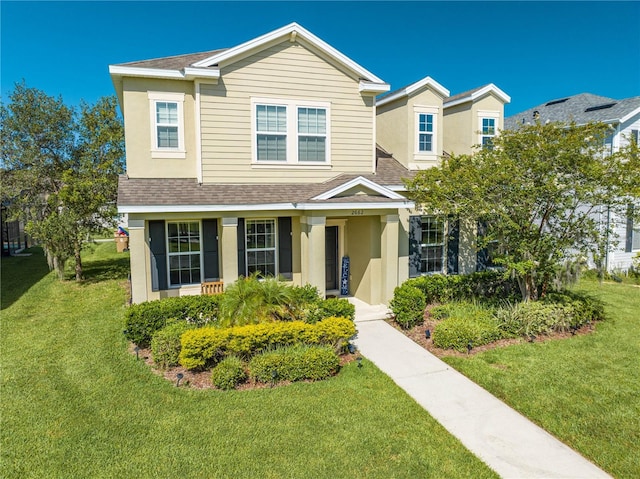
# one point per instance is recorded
(60, 169)
(539, 191)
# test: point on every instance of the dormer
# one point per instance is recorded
(410, 123)
(473, 118)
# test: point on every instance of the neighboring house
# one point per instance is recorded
(624, 118)
(272, 156)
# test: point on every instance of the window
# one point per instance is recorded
(261, 246)
(432, 245)
(425, 132)
(167, 131)
(291, 132)
(183, 239)
(488, 132)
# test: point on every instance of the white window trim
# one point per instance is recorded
(445, 226)
(275, 247)
(292, 133)
(489, 114)
(425, 155)
(157, 152)
(166, 237)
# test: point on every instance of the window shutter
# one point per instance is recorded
(628, 247)
(453, 245)
(482, 257)
(285, 254)
(415, 238)
(158, 247)
(210, 249)
(242, 245)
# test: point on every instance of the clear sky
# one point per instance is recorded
(534, 51)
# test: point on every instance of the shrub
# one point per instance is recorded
(228, 373)
(144, 319)
(165, 343)
(408, 306)
(456, 332)
(332, 307)
(305, 295)
(208, 345)
(295, 363)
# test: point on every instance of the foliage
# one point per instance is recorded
(459, 332)
(165, 343)
(295, 363)
(537, 189)
(408, 305)
(208, 345)
(228, 373)
(144, 319)
(304, 295)
(327, 308)
(61, 170)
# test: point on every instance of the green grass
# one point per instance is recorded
(584, 390)
(76, 404)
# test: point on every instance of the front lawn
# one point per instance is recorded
(75, 403)
(584, 390)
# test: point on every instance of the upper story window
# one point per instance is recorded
(167, 124)
(425, 132)
(488, 132)
(291, 132)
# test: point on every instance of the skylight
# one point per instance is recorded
(599, 107)
(555, 102)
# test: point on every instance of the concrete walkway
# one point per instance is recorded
(506, 441)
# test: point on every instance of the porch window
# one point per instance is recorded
(261, 246)
(432, 245)
(184, 253)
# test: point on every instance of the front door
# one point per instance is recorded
(331, 257)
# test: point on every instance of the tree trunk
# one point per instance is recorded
(527, 287)
(76, 251)
(58, 264)
(50, 259)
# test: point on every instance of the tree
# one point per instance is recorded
(539, 190)
(60, 169)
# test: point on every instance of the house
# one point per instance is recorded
(275, 156)
(624, 118)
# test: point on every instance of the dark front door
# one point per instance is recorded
(331, 257)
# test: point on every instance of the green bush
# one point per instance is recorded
(305, 295)
(456, 332)
(408, 305)
(165, 343)
(208, 345)
(327, 308)
(144, 319)
(295, 363)
(228, 373)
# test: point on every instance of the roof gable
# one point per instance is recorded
(476, 94)
(409, 90)
(356, 186)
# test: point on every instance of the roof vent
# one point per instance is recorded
(556, 102)
(599, 107)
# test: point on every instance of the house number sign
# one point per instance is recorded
(357, 212)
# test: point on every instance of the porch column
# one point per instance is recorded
(314, 259)
(229, 247)
(139, 249)
(389, 255)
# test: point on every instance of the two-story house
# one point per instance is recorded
(264, 157)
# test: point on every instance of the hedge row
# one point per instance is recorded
(295, 363)
(204, 346)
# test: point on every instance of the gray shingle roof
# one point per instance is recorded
(464, 94)
(573, 108)
(176, 62)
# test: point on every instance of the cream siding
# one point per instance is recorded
(283, 71)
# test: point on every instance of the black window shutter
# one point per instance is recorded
(158, 246)
(242, 244)
(453, 246)
(415, 239)
(628, 247)
(482, 257)
(210, 249)
(285, 253)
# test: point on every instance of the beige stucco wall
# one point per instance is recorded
(397, 128)
(137, 129)
(284, 71)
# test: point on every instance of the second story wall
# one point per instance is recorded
(285, 82)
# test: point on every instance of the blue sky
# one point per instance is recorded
(534, 51)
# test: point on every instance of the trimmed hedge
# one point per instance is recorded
(208, 345)
(143, 319)
(457, 332)
(408, 306)
(229, 373)
(330, 308)
(165, 343)
(295, 363)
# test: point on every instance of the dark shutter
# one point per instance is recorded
(210, 250)
(415, 239)
(242, 245)
(482, 257)
(453, 246)
(158, 247)
(628, 247)
(285, 254)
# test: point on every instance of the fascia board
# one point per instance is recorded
(630, 115)
(144, 72)
(375, 88)
(359, 181)
(256, 43)
(427, 81)
(191, 73)
(491, 88)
